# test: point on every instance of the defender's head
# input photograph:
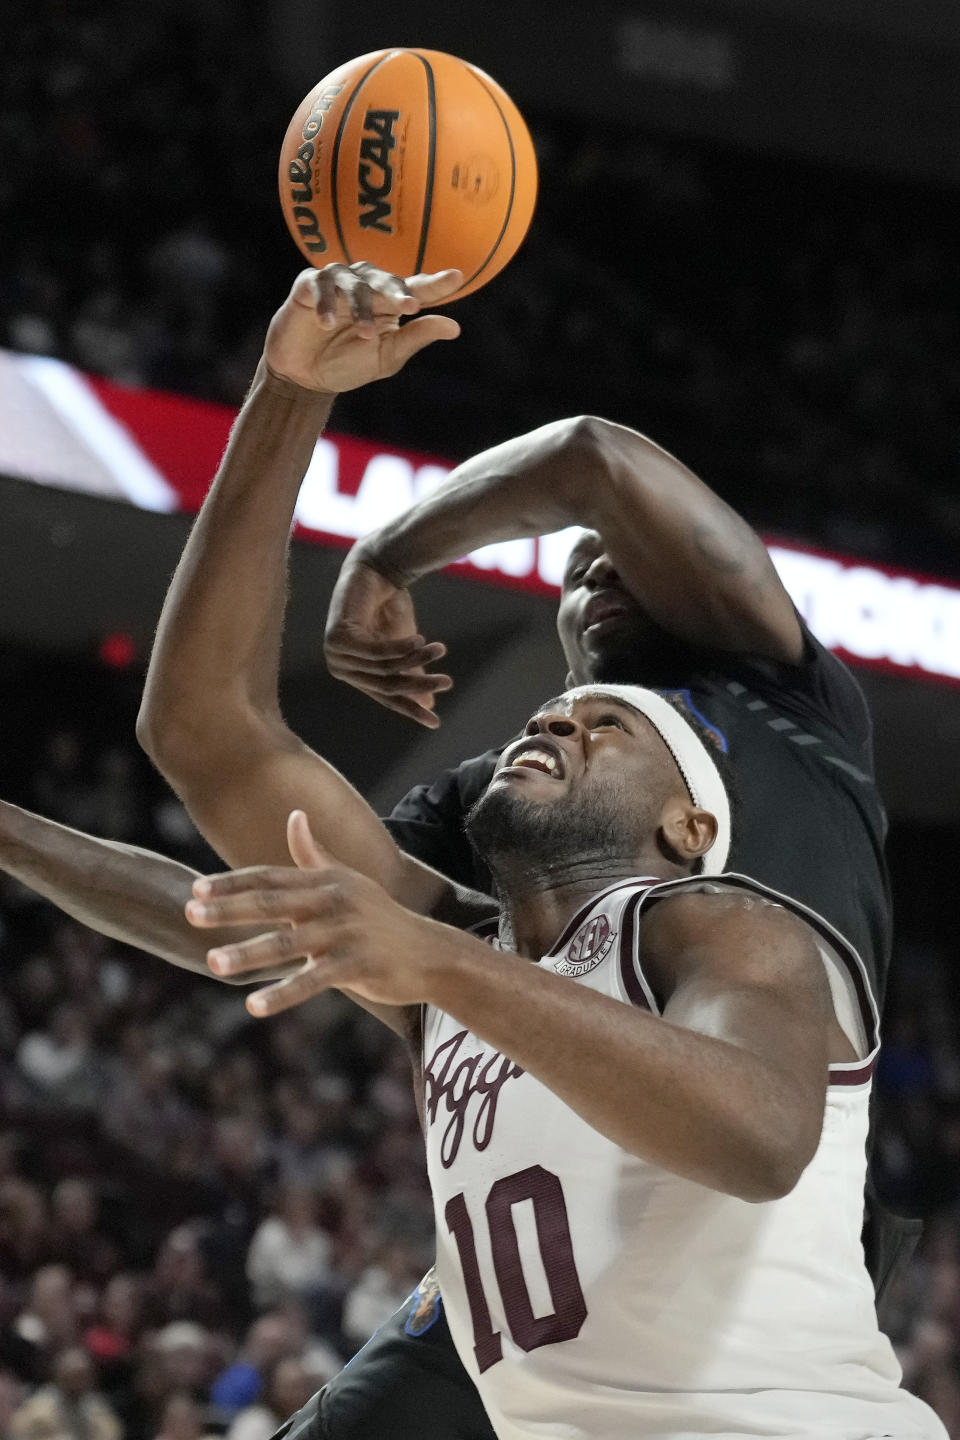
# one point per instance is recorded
(605, 633)
(605, 777)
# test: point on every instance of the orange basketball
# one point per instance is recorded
(413, 160)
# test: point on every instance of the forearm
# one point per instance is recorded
(582, 471)
(131, 895)
(528, 486)
(656, 519)
(217, 648)
(699, 1107)
(243, 809)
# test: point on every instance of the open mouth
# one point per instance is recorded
(537, 755)
(608, 605)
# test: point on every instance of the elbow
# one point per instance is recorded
(178, 745)
(585, 447)
(777, 1165)
(589, 436)
(149, 731)
(159, 734)
(768, 1181)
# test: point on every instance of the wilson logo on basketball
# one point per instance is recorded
(588, 948)
(300, 173)
(375, 172)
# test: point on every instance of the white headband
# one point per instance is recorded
(694, 761)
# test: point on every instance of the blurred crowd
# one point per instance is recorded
(201, 1216)
(789, 329)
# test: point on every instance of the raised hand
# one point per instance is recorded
(350, 934)
(372, 643)
(339, 327)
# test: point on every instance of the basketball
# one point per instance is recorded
(413, 160)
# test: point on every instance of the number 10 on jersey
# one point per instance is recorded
(529, 1331)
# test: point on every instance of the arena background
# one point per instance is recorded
(745, 246)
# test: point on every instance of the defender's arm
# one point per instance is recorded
(696, 566)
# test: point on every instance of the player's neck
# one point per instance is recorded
(537, 906)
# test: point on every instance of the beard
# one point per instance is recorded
(519, 838)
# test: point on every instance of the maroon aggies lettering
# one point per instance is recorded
(454, 1080)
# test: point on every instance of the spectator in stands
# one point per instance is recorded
(75, 1236)
(48, 1320)
(58, 1061)
(24, 1228)
(179, 1288)
(12, 1395)
(144, 1113)
(182, 1419)
(112, 1335)
(380, 1290)
(289, 1254)
(234, 1206)
(268, 1340)
(306, 1152)
(69, 1408)
(185, 1358)
(289, 1385)
(931, 1369)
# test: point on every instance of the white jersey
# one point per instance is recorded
(593, 1296)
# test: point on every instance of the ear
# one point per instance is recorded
(686, 831)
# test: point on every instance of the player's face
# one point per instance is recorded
(581, 745)
(605, 633)
(588, 784)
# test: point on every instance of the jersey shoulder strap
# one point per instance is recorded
(853, 996)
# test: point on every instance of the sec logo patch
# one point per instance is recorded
(588, 948)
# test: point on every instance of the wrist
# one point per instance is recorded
(458, 969)
(382, 553)
(277, 384)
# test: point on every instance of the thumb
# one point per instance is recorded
(305, 852)
(402, 344)
(434, 289)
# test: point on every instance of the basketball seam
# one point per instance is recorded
(335, 157)
(513, 186)
(431, 160)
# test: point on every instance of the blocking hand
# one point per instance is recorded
(372, 643)
(339, 327)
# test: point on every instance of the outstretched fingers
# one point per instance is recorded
(248, 897)
(313, 978)
(399, 346)
(354, 644)
(265, 952)
(403, 704)
(374, 682)
(277, 947)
